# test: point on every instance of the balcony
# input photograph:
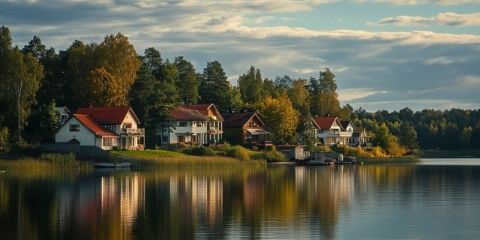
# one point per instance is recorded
(133, 131)
(214, 130)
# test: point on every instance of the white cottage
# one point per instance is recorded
(331, 131)
(215, 120)
(105, 127)
(186, 126)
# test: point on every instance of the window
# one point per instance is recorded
(181, 139)
(182, 124)
(108, 142)
(199, 124)
(252, 124)
(127, 125)
(74, 128)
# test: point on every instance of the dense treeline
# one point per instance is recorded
(453, 129)
(35, 79)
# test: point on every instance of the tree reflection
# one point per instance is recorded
(277, 202)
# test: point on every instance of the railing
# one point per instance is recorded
(214, 130)
(134, 131)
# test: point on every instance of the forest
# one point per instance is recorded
(34, 79)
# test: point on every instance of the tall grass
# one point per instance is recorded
(404, 159)
(168, 159)
(52, 167)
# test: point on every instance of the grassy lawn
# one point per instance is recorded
(162, 158)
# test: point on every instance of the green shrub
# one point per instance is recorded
(239, 153)
(271, 155)
(199, 151)
(222, 147)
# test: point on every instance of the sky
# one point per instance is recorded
(385, 54)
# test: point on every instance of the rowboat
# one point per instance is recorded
(113, 165)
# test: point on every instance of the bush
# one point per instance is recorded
(271, 155)
(222, 147)
(239, 153)
(199, 151)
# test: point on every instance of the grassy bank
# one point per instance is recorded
(433, 153)
(46, 165)
(169, 159)
(403, 159)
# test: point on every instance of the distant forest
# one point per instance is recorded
(34, 79)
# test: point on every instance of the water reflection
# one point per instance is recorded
(279, 202)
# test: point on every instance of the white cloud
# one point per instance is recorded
(439, 60)
(418, 2)
(446, 18)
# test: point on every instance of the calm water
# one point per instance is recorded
(431, 200)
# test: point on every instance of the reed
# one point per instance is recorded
(168, 159)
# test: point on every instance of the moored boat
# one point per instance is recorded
(113, 165)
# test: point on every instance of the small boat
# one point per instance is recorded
(319, 163)
(1, 171)
(113, 165)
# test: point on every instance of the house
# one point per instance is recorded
(246, 127)
(186, 126)
(215, 120)
(360, 137)
(330, 131)
(348, 129)
(63, 114)
(103, 127)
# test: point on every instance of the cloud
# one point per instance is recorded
(371, 68)
(446, 18)
(419, 2)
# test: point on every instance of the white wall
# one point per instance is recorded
(130, 119)
(84, 136)
(181, 131)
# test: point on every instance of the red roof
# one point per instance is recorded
(324, 122)
(239, 119)
(107, 115)
(203, 109)
(182, 114)
(92, 125)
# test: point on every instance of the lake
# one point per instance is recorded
(434, 199)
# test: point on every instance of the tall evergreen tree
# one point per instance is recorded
(250, 86)
(188, 81)
(214, 87)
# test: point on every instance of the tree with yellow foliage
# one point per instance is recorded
(280, 118)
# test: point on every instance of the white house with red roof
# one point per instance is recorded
(103, 127)
(215, 120)
(186, 126)
(330, 130)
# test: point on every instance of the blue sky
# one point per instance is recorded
(386, 54)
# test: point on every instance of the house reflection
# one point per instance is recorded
(124, 195)
(204, 195)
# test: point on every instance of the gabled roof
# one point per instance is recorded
(345, 123)
(325, 122)
(240, 119)
(62, 109)
(183, 114)
(203, 109)
(107, 115)
(314, 123)
(92, 125)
